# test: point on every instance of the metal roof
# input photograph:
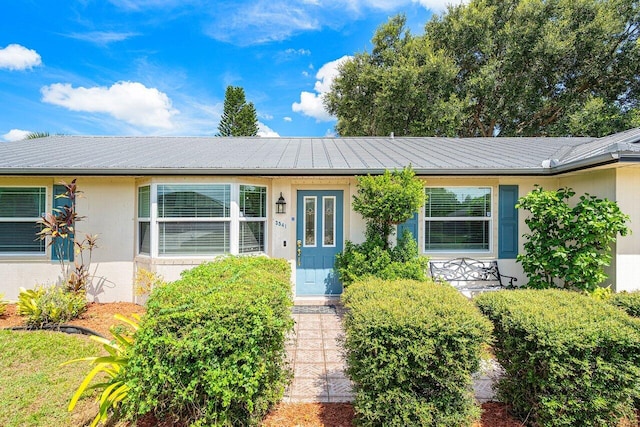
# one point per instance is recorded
(160, 155)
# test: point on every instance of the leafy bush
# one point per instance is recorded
(628, 301)
(387, 200)
(357, 262)
(411, 349)
(145, 281)
(3, 304)
(50, 305)
(211, 348)
(569, 246)
(114, 388)
(569, 359)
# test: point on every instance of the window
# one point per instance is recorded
(329, 222)
(194, 219)
(457, 219)
(20, 209)
(144, 220)
(199, 220)
(253, 216)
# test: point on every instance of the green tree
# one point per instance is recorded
(569, 246)
(385, 201)
(239, 117)
(507, 67)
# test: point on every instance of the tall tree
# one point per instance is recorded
(239, 117)
(507, 67)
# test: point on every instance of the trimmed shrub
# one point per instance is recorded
(211, 349)
(569, 359)
(628, 301)
(412, 347)
(50, 305)
(370, 258)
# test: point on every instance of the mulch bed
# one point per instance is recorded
(99, 317)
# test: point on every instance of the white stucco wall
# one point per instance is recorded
(627, 248)
(109, 205)
(107, 208)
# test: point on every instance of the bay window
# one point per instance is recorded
(457, 219)
(201, 219)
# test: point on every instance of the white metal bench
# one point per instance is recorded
(468, 274)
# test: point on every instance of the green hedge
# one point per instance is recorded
(628, 301)
(569, 360)
(411, 350)
(211, 349)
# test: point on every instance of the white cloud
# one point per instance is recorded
(287, 119)
(16, 135)
(311, 103)
(17, 57)
(130, 102)
(102, 37)
(266, 116)
(265, 131)
(261, 21)
(137, 5)
(301, 52)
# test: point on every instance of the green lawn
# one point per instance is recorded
(34, 389)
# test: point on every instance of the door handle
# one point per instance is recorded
(299, 251)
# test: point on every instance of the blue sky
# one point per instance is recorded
(160, 67)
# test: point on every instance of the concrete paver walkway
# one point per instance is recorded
(316, 356)
(318, 364)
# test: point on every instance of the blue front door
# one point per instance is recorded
(319, 237)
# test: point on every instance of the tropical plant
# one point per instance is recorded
(569, 246)
(27, 301)
(3, 304)
(114, 388)
(49, 305)
(58, 227)
(37, 134)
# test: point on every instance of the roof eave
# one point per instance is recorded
(35, 171)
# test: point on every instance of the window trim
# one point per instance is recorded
(487, 219)
(147, 220)
(247, 219)
(45, 251)
(315, 222)
(324, 223)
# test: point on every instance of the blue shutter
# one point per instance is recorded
(60, 246)
(411, 224)
(507, 222)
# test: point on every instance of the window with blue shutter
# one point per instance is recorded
(507, 222)
(62, 248)
(20, 210)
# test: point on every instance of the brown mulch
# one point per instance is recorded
(99, 317)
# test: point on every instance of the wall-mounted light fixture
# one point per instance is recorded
(281, 205)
